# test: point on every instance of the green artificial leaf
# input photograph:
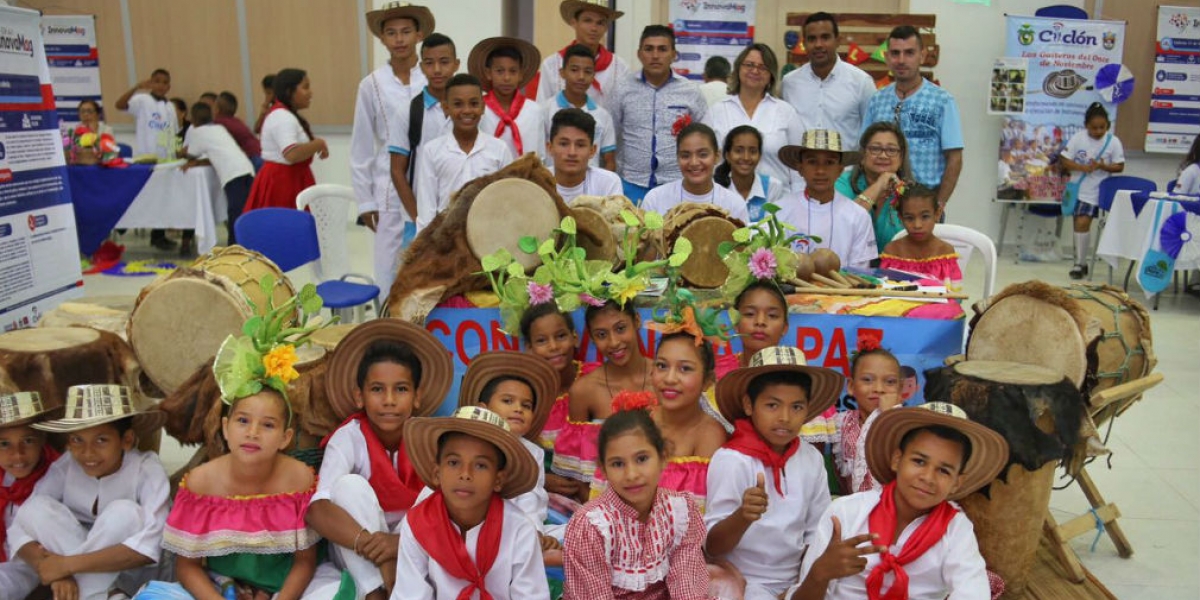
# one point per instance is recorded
(568, 302)
(630, 219)
(677, 259)
(492, 262)
(741, 235)
(543, 275)
(527, 244)
(547, 247)
(770, 208)
(310, 301)
(568, 225)
(515, 269)
(250, 327)
(654, 221)
(267, 285)
(725, 248)
(578, 253)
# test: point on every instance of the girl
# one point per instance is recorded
(875, 386)
(762, 321)
(1189, 171)
(1093, 154)
(636, 540)
(875, 181)
(696, 150)
(739, 173)
(921, 251)
(181, 120)
(288, 145)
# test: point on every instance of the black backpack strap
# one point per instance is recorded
(416, 119)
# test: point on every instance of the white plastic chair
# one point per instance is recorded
(331, 206)
(964, 240)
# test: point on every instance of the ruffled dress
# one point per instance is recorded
(942, 268)
(684, 474)
(557, 420)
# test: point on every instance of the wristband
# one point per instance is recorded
(864, 198)
(356, 536)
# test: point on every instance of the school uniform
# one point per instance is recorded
(605, 138)
(775, 119)
(280, 181)
(17, 578)
(764, 190)
(155, 125)
(667, 196)
(597, 182)
(526, 133)
(536, 502)
(610, 70)
(444, 168)
(842, 225)
(952, 567)
(233, 167)
(645, 117)
(1084, 149)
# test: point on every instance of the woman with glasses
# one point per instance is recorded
(876, 181)
(751, 102)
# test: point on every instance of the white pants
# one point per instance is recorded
(759, 592)
(324, 585)
(353, 494)
(17, 579)
(393, 234)
(56, 529)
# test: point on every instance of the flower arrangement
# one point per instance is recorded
(88, 148)
(760, 251)
(680, 312)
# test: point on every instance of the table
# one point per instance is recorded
(1128, 229)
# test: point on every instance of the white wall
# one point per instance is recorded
(467, 22)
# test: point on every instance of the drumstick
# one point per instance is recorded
(858, 281)
(838, 277)
(803, 285)
(819, 278)
(886, 293)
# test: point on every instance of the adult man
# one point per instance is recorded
(590, 19)
(828, 93)
(716, 79)
(926, 113)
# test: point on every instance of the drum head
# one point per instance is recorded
(1008, 372)
(595, 234)
(507, 210)
(704, 268)
(1025, 329)
(246, 268)
(45, 339)
(329, 337)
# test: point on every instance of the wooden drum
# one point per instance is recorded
(601, 229)
(108, 313)
(48, 360)
(1125, 349)
(706, 226)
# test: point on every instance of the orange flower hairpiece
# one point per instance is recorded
(627, 400)
(686, 323)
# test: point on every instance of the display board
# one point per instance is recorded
(1175, 100)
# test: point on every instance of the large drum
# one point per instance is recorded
(601, 229)
(106, 313)
(48, 360)
(1125, 349)
(705, 226)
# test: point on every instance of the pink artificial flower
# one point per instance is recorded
(539, 293)
(590, 299)
(762, 263)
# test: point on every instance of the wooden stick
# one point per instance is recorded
(858, 281)
(819, 278)
(837, 276)
(886, 293)
(802, 285)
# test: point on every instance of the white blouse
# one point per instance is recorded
(775, 119)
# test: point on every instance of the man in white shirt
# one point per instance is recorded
(572, 144)
(716, 79)
(156, 125)
(828, 93)
(591, 20)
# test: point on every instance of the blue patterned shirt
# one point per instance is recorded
(929, 120)
(643, 117)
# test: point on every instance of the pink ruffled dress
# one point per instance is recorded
(942, 268)
(557, 419)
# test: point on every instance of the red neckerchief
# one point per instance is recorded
(507, 119)
(21, 489)
(747, 441)
(604, 60)
(395, 486)
(437, 535)
(882, 523)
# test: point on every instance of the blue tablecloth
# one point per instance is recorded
(100, 196)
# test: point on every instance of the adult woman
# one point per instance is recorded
(873, 182)
(750, 102)
(288, 145)
(89, 116)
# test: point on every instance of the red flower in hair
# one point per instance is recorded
(869, 339)
(627, 400)
(680, 123)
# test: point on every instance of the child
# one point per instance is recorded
(24, 459)
(739, 171)
(921, 251)
(875, 387)
(386, 204)
(227, 107)
(927, 457)
(96, 517)
(1189, 170)
(155, 128)
(467, 538)
(182, 124)
(767, 487)
(426, 115)
(288, 145)
(591, 21)
(209, 98)
(449, 162)
(268, 88)
(1093, 153)
(762, 320)
(636, 540)
(697, 151)
(383, 372)
(217, 147)
(578, 74)
(505, 65)
(821, 211)
(571, 143)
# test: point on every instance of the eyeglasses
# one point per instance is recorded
(754, 67)
(888, 151)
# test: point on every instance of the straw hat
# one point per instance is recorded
(21, 408)
(395, 10)
(827, 140)
(531, 58)
(92, 405)
(536, 371)
(570, 9)
(827, 384)
(437, 368)
(989, 450)
(421, 442)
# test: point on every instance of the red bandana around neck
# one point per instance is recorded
(882, 523)
(746, 440)
(431, 526)
(20, 490)
(396, 486)
(604, 59)
(507, 119)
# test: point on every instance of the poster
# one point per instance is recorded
(39, 252)
(706, 28)
(1063, 56)
(74, 63)
(1175, 98)
(1007, 93)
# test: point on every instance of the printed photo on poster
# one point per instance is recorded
(1175, 90)
(1007, 93)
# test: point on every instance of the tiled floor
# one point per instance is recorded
(1155, 473)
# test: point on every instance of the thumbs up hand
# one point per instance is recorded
(754, 500)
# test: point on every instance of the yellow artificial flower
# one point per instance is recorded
(87, 140)
(632, 288)
(280, 361)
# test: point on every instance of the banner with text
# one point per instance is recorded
(39, 251)
(707, 28)
(1063, 57)
(1175, 98)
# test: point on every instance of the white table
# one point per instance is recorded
(176, 199)
(1129, 235)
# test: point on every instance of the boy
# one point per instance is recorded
(466, 538)
(94, 525)
(384, 205)
(821, 211)
(716, 79)
(572, 143)
(217, 148)
(505, 65)
(449, 162)
(591, 21)
(767, 487)
(268, 88)
(645, 109)
(927, 456)
(392, 370)
(578, 73)
(227, 106)
(24, 459)
(155, 128)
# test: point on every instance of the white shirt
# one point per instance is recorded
(550, 83)
(837, 102)
(531, 121)
(1085, 150)
(155, 124)
(434, 124)
(774, 193)
(381, 107)
(346, 454)
(214, 143)
(443, 168)
(597, 182)
(714, 92)
(10, 512)
(281, 130)
(605, 137)
(536, 502)
(951, 568)
(141, 479)
(770, 550)
(669, 195)
(517, 574)
(1189, 181)
(775, 119)
(842, 225)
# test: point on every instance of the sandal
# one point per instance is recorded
(1079, 271)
